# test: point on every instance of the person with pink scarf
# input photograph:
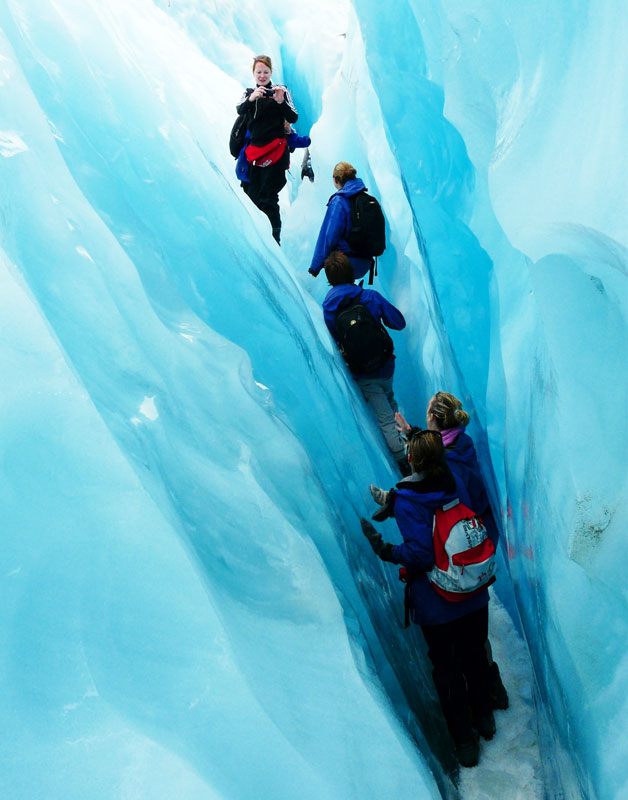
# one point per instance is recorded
(446, 415)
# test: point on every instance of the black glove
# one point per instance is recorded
(381, 549)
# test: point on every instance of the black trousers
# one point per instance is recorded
(265, 183)
(460, 670)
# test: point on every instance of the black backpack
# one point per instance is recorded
(238, 134)
(364, 342)
(368, 227)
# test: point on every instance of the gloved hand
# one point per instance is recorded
(387, 509)
(381, 549)
(311, 271)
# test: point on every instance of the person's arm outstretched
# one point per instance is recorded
(382, 309)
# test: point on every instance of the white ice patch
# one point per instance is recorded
(148, 409)
(82, 251)
(11, 144)
(55, 132)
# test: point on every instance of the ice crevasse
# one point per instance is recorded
(189, 608)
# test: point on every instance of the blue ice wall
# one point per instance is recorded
(183, 457)
(541, 120)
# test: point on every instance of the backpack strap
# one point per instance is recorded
(372, 270)
(453, 503)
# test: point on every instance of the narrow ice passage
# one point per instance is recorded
(189, 607)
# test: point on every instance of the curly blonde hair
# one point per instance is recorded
(447, 411)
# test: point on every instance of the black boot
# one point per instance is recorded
(485, 724)
(467, 752)
(306, 166)
(499, 695)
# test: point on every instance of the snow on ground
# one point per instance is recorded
(510, 764)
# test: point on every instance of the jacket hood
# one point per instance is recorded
(352, 187)
(431, 492)
(337, 294)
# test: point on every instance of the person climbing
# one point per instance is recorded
(354, 317)
(455, 632)
(336, 230)
(446, 415)
(266, 108)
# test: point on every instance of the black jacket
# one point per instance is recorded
(265, 116)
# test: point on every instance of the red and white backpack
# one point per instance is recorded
(464, 556)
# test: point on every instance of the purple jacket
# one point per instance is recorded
(375, 304)
(335, 229)
(415, 500)
(463, 462)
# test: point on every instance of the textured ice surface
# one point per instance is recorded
(189, 608)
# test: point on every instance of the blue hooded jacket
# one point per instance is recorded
(335, 229)
(463, 462)
(375, 304)
(416, 499)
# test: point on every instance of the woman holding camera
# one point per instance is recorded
(266, 108)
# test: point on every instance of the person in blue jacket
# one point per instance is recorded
(337, 223)
(446, 415)
(376, 386)
(242, 164)
(455, 632)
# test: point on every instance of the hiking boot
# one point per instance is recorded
(379, 495)
(499, 695)
(467, 752)
(485, 725)
(306, 167)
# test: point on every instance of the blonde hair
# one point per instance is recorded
(343, 172)
(448, 412)
(265, 60)
(427, 453)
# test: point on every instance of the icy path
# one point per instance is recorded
(510, 764)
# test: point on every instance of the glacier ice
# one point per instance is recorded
(189, 609)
